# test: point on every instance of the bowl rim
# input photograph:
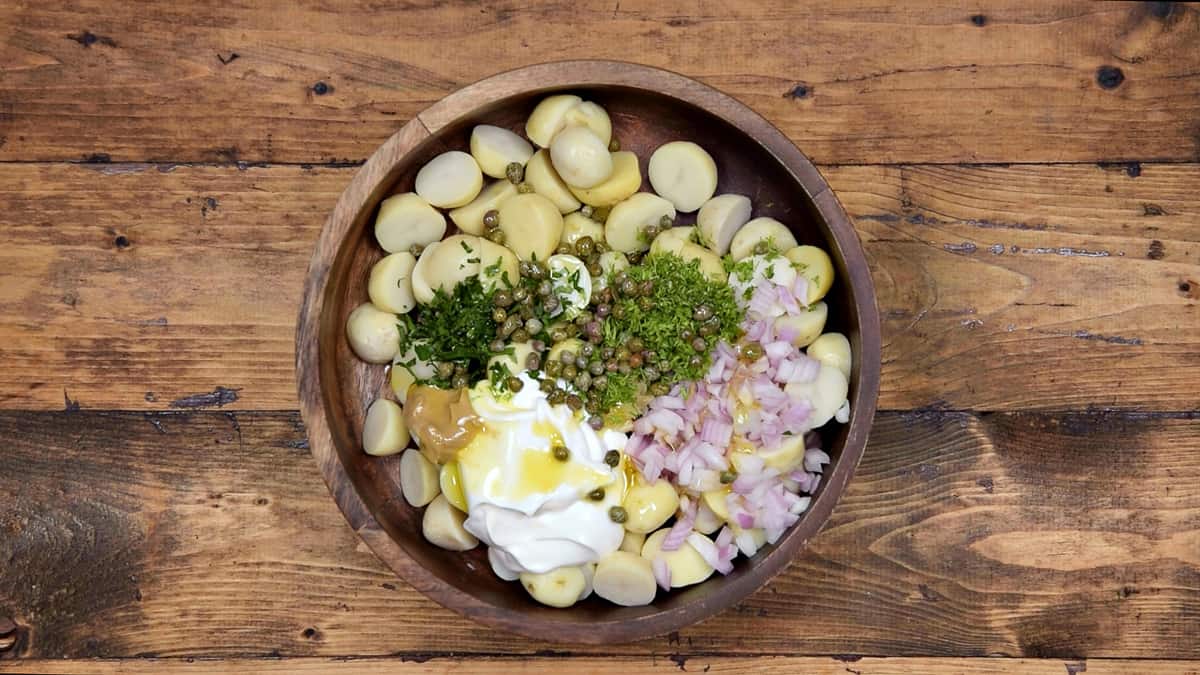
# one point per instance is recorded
(558, 75)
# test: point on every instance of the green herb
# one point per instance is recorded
(455, 328)
(498, 374)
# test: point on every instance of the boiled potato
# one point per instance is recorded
(571, 283)
(613, 261)
(758, 230)
(720, 219)
(401, 379)
(418, 478)
(422, 370)
(672, 239)
(832, 349)
(515, 362)
(649, 506)
(549, 117)
(749, 540)
(443, 526)
(384, 430)
(686, 564)
(592, 116)
(560, 587)
(589, 577)
(683, 173)
(495, 148)
(807, 325)
(532, 226)
(573, 345)
(626, 220)
(449, 180)
(373, 333)
(444, 265)
(406, 220)
(469, 218)
(813, 264)
(580, 157)
(718, 502)
(576, 226)
(827, 393)
(707, 521)
(540, 174)
(625, 180)
(710, 264)
(787, 456)
(498, 265)
(390, 283)
(626, 579)
(633, 542)
(450, 482)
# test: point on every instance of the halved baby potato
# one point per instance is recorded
(807, 326)
(720, 219)
(390, 283)
(683, 173)
(406, 220)
(449, 180)
(626, 220)
(532, 226)
(549, 117)
(813, 264)
(766, 230)
(540, 174)
(469, 218)
(498, 265)
(494, 148)
(576, 226)
(444, 265)
(827, 393)
(593, 116)
(373, 333)
(580, 157)
(625, 180)
(384, 431)
(832, 349)
(686, 564)
(442, 526)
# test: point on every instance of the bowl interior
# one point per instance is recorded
(642, 120)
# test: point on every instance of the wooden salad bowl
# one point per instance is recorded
(648, 107)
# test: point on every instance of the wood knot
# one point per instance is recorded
(797, 92)
(1109, 77)
(121, 241)
(320, 89)
(979, 20)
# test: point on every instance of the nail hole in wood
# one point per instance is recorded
(979, 20)
(1109, 77)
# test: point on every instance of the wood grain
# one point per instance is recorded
(619, 665)
(1060, 286)
(852, 82)
(208, 534)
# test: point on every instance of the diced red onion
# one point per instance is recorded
(711, 553)
(682, 527)
(662, 573)
(815, 459)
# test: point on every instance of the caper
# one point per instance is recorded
(752, 351)
(515, 384)
(601, 247)
(618, 312)
(445, 370)
(645, 303)
(624, 367)
(587, 350)
(600, 214)
(702, 313)
(537, 345)
(607, 353)
(649, 232)
(635, 258)
(611, 366)
(499, 315)
(761, 248)
(620, 278)
(727, 477)
(699, 344)
(586, 210)
(558, 334)
(596, 367)
(520, 293)
(651, 373)
(623, 352)
(533, 362)
(581, 363)
(514, 172)
(574, 402)
(569, 371)
(520, 335)
(650, 355)
(459, 382)
(659, 389)
(594, 332)
(510, 324)
(566, 356)
(416, 250)
(618, 515)
(600, 382)
(707, 328)
(460, 369)
(563, 249)
(526, 312)
(544, 289)
(602, 310)
(612, 458)
(646, 287)
(496, 236)
(666, 222)
(686, 335)
(502, 299)
(534, 325)
(551, 304)
(595, 421)
(635, 361)
(594, 269)
(584, 246)
(561, 453)
(695, 362)
(524, 188)
(583, 381)
(628, 287)
(556, 396)
(546, 386)
(491, 218)
(635, 344)
(596, 495)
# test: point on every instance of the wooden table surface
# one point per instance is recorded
(1024, 175)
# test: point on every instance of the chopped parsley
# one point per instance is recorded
(454, 327)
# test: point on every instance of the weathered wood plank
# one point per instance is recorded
(619, 665)
(211, 534)
(287, 81)
(1001, 288)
